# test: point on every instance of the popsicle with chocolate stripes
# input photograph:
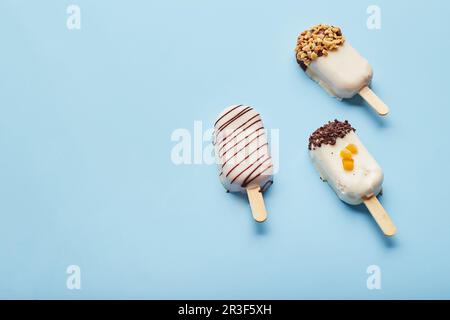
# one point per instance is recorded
(242, 154)
(351, 171)
(327, 58)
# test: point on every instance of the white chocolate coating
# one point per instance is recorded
(350, 186)
(343, 73)
(242, 150)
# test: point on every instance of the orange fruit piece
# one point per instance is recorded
(352, 148)
(348, 164)
(346, 154)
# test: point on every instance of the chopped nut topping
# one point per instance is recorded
(316, 42)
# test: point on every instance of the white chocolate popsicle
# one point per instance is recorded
(242, 154)
(327, 58)
(342, 160)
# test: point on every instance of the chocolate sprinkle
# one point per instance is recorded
(329, 133)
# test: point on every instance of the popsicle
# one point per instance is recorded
(327, 58)
(351, 171)
(242, 154)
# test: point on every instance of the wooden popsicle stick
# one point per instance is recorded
(380, 215)
(372, 99)
(257, 203)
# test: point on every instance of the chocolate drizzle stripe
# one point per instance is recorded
(225, 144)
(266, 185)
(226, 113)
(249, 166)
(223, 165)
(237, 165)
(239, 128)
(245, 183)
(231, 120)
(258, 175)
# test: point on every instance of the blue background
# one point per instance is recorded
(86, 176)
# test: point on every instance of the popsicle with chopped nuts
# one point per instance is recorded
(242, 154)
(327, 58)
(351, 171)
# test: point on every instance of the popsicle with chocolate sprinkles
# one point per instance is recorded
(342, 160)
